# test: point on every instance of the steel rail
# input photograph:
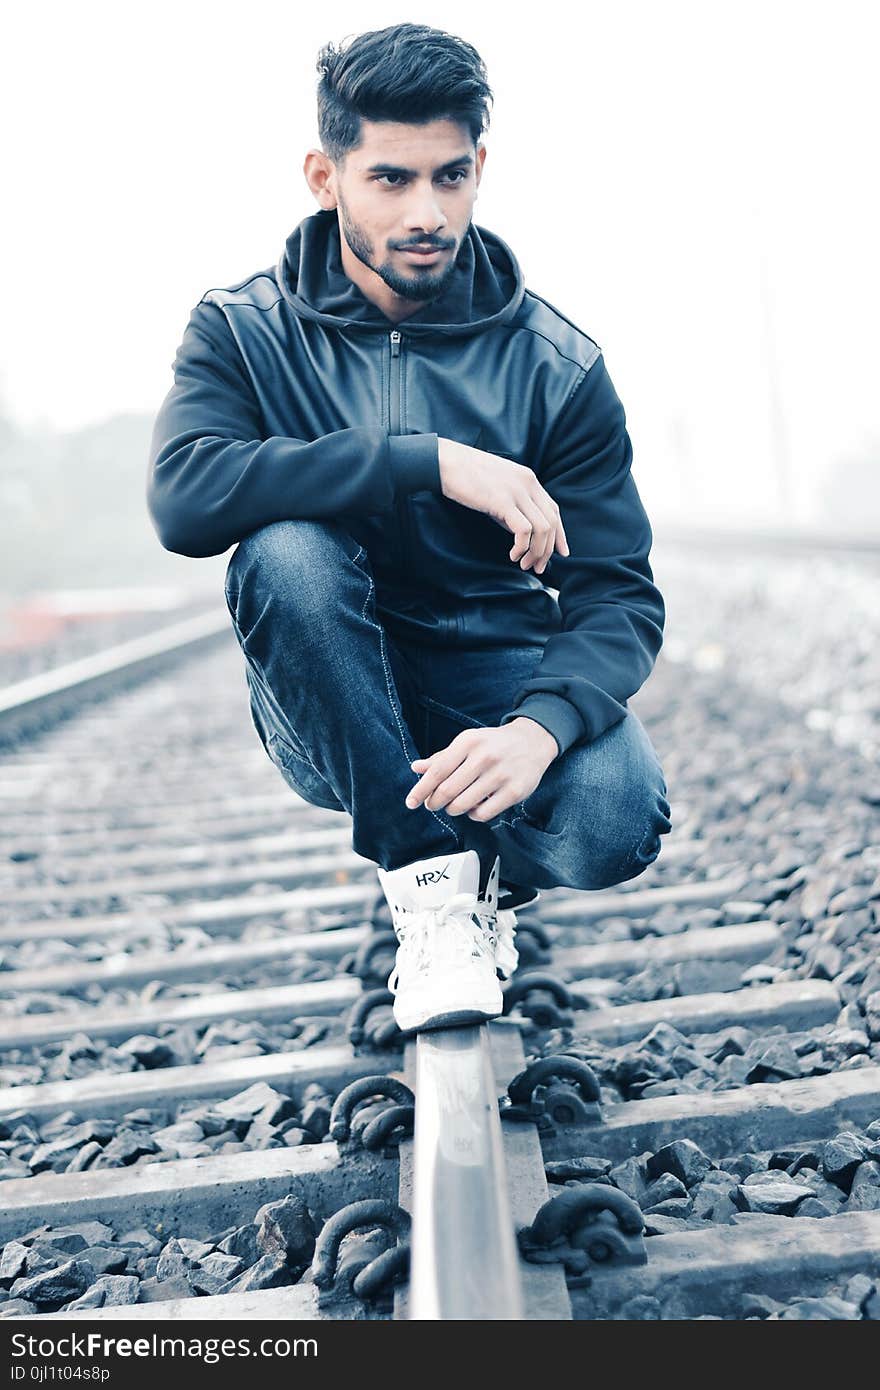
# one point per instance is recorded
(39, 700)
(464, 1260)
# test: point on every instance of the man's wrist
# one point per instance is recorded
(548, 739)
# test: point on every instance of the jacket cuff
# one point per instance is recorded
(555, 714)
(415, 463)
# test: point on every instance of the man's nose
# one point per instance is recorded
(424, 214)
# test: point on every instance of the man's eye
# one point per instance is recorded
(402, 178)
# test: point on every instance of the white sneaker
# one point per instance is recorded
(500, 921)
(444, 974)
(500, 925)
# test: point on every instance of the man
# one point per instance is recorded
(409, 447)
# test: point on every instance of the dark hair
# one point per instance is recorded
(406, 72)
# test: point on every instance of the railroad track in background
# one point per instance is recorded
(207, 1111)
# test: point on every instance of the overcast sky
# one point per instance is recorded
(695, 184)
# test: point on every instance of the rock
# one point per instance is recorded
(127, 1148)
(630, 1177)
(106, 1259)
(17, 1308)
(827, 1192)
(173, 1262)
(92, 1298)
(872, 1015)
(773, 1198)
(732, 1071)
(61, 1148)
(815, 1208)
(74, 1238)
(195, 1250)
(684, 1159)
(758, 1305)
(55, 1285)
(87, 1154)
(12, 1261)
(794, 1159)
(248, 1104)
(830, 1308)
(729, 1043)
(779, 1059)
(269, 1272)
(222, 1266)
(841, 1157)
(158, 1290)
(212, 1122)
(243, 1243)
(673, 1206)
(42, 1256)
(864, 1192)
(664, 1039)
(203, 1281)
(842, 1043)
(712, 1200)
(110, 1290)
(286, 1228)
(642, 1308)
(656, 1224)
(141, 1239)
(826, 962)
(858, 1289)
(664, 1187)
(187, 1131)
(585, 1168)
(315, 1117)
(150, 1052)
(279, 1109)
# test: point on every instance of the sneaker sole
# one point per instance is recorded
(456, 1018)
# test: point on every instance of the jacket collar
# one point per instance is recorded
(485, 289)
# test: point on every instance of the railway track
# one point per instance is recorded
(206, 1110)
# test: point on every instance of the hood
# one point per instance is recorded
(485, 289)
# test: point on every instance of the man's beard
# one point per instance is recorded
(423, 285)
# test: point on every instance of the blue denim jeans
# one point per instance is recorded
(342, 709)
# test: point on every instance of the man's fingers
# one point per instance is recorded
(441, 765)
(543, 534)
(457, 784)
(499, 801)
(521, 526)
(473, 795)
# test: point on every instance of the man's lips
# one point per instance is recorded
(423, 250)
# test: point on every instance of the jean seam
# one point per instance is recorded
(400, 729)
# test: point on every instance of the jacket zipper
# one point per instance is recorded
(402, 508)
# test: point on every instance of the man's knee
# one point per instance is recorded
(621, 808)
(290, 564)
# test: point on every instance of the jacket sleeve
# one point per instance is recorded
(214, 477)
(613, 615)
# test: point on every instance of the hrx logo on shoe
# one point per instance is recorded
(432, 876)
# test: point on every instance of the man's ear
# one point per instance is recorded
(319, 171)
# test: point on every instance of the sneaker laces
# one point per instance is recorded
(454, 933)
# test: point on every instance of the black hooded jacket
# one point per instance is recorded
(294, 397)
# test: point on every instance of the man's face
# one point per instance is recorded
(404, 186)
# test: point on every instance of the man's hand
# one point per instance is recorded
(484, 771)
(508, 492)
